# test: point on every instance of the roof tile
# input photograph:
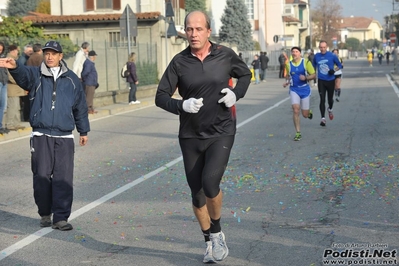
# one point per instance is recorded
(45, 18)
(355, 22)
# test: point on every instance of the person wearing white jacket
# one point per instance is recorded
(80, 58)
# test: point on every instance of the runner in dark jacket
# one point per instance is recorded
(202, 73)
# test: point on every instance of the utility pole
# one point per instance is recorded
(310, 26)
(395, 50)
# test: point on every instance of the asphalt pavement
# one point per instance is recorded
(102, 112)
(300, 203)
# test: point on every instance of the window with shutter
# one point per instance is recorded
(116, 4)
(89, 5)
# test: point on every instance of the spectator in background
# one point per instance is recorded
(14, 92)
(256, 65)
(36, 58)
(90, 80)
(23, 59)
(80, 58)
(3, 89)
(264, 61)
(132, 79)
(282, 59)
(28, 51)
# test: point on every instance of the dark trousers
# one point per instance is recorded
(52, 168)
(263, 74)
(25, 107)
(89, 90)
(326, 86)
(132, 92)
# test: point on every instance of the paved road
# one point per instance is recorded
(286, 203)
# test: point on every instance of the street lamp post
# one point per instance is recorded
(310, 26)
(170, 29)
(395, 50)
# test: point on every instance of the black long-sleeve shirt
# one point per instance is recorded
(196, 79)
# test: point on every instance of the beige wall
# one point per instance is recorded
(274, 22)
(76, 7)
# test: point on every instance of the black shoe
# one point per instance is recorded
(4, 130)
(45, 221)
(63, 226)
(323, 122)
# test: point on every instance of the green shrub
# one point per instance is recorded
(147, 73)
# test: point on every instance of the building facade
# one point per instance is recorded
(286, 19)
(361, 28)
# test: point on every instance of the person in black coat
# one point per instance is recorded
(132, 79)
(264, 61)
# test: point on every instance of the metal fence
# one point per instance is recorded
(248, 57)
(111, 58)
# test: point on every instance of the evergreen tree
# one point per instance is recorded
(43, 7)
(20, 7)
(235, 25)
(192, 5)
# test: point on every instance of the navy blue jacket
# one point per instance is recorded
(70, 106)
(89, 73)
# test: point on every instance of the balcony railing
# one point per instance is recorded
(304, 25)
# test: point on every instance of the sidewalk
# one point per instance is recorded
(102, 112)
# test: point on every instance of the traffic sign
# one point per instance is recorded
(392, 37)
(275, 38)
(128, 23)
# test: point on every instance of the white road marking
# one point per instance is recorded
(395, 88)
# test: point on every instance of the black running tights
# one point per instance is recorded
(326, 86)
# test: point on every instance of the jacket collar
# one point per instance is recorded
(47, 72)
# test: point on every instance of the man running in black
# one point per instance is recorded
(207, 120)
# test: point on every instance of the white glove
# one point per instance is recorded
(229, 99)
(192, 105)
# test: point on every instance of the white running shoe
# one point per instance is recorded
(219, 247)
(208, 258)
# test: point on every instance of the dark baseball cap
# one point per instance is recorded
(53, 45)
(297, 48)
(92, 53)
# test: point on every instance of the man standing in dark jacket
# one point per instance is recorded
(90, 80)
(264, 61)
(58, 104)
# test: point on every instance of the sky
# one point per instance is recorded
(377, 9)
